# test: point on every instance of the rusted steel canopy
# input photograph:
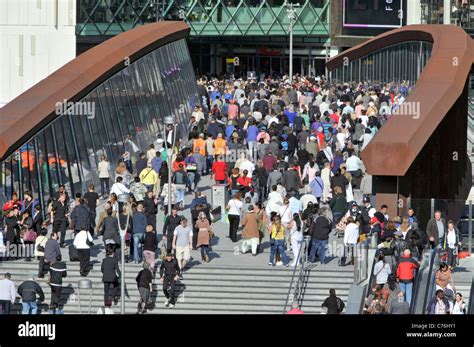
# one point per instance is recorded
(441, 83)
(31, 111)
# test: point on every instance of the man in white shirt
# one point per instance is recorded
(119, 188)
(306, 199)
(366, 138)
(273, 119)
(7, 294)
(295, 205)
(275, 201)
(351, 236)
(197, 114)
(353, 164)
(104, 175)
(247, 165)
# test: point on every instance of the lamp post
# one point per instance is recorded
(170, 120)
(292, 16)
(327, 52)
(125, 199)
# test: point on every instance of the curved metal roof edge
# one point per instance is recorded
(31, 111)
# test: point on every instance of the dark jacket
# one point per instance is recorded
(170, 224)
(334, 305)
(150, 206)
(150, 242)
(397, 246)
(458, 238)
(57, 271)
(338, 203)
(37, 223)
(144, 279)
(110, 269)
(52, 251)
(141, 164)
(320, 228)
(291, 180)
(339, 181)
(110, 228)
(432, 229)
(80, 218)
(139, 223)
(169, 269)
(29, 290)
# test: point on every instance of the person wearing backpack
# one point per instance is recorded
(333, 304)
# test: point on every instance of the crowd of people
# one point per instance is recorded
(289, 157)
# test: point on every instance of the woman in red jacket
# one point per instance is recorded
(244, 183)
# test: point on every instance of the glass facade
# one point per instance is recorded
(394, 64)
(205, 17)
(461, 12)
(131, 102)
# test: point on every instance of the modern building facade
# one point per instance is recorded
(422, 152)
(254, 32)
(36, 38)
(120, 92)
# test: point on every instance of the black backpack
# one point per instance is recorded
(340, 305)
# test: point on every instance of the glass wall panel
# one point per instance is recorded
(132, 102)
(395, 64)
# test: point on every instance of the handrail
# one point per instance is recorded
(416, 284)
(470, 307)
(371, 278)
(294, 288)
(431, 278)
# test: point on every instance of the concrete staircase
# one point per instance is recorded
(206, 289)
(320, 280)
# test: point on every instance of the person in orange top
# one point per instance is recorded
(179, 160)
(200, 144)
(28, 160)
(220, 145)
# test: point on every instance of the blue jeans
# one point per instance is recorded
(192, 178)
(407, 288)
(319, 246)
(209, 160)
(136, 246)
(29, 305)
(278, 245)
(337, 216)
(180, 193)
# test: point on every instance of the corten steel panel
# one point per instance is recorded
(400, 140)
(27, 114)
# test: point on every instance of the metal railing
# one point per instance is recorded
(417, 289)
(297, 283)
(431, 285)
(470, 306)
(361, 263)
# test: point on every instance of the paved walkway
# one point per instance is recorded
(225, 252)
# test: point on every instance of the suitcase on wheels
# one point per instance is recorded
(73, 255)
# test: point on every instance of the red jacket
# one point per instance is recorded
(405, 269)
(245, 182)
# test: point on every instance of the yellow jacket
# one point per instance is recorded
(148, 176)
